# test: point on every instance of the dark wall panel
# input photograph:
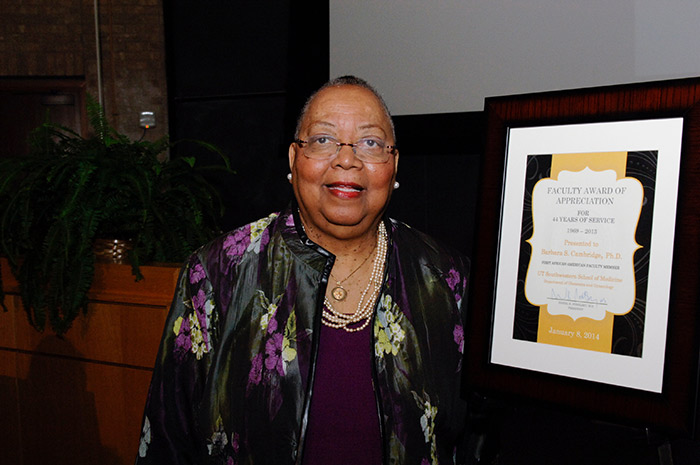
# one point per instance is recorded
(439, 156)
(223, 48)
(438, 196)
(251, 133)
(238, 74)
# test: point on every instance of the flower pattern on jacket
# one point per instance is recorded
(237, 243)
(192, 331)
(269, 315)
(458, 336)
(219, 446)
(457, 285)
(145, 439)
(427, 424)
(218, 440)
(387, 328)
(251, 237)
(279, 348)
(259, 233)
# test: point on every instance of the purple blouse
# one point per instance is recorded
(343, 419)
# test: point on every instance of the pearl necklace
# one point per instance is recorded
(335, 319)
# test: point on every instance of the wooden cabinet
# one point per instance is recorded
(80, 398)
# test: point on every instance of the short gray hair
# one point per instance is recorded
(347, 80)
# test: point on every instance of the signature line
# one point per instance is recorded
(577, 301)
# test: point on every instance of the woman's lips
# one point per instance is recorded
(345, 190)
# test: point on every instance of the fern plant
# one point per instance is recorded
(71, 190)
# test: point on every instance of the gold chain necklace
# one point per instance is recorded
(335, 319)
(338, 292)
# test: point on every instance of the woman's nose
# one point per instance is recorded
(345, 156)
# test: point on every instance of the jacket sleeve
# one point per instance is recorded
(170, 432)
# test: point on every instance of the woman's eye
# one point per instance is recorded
(371, 143)
(320, 140)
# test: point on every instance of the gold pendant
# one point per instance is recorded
(339, 293)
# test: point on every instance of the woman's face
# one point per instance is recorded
(343, 197)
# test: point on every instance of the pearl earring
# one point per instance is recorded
(396, 184)
(289, 177)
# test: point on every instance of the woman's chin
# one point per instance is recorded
(347, 217)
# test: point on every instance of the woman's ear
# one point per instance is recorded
(292, 155)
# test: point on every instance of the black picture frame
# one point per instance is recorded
(675, 408)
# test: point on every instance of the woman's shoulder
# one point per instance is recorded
(416, 250)
(422, 244)
(244, 238)
(232, 247)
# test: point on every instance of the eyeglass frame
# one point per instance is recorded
(391, 149)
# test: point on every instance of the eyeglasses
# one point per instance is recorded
(368, 149)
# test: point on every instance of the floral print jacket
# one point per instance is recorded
(232, 381)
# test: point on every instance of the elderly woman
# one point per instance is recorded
(324, 334)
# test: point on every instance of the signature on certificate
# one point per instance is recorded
(574, 295)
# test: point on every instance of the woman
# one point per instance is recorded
(326, 333)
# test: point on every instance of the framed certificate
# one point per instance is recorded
(587, 265)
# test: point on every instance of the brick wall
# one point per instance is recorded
(56, 38)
